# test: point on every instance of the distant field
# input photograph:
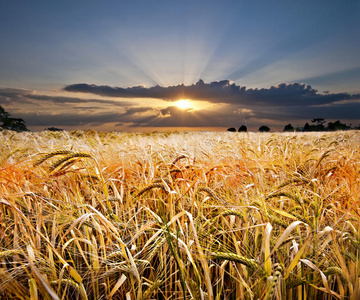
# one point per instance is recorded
(88, 215)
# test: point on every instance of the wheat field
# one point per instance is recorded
(182, 215)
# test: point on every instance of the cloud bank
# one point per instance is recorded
(225, 91)
(226, 105)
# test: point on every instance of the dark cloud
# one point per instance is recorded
(73, 118)
(44, 110)
(137, 110)
(25, 96)
(8, 92)
(70, 100)
(232, 106)
(225, 91)
(8, 95)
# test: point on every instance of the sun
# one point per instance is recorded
(183, 104)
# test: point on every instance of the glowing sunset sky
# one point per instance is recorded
(124, 65)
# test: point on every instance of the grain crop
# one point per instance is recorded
(179, 215)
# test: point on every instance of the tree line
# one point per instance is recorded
(317, 125)
(9, 123)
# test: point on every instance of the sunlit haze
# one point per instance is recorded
(184, 104)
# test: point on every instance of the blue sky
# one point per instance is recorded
(295, 47)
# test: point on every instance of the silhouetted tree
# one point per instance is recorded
(232, 129)
(319, 121)
(54, 129)
(318, 127)
(264, 128)
(11, 123)
(319, 124)
(3, 114)
(14, 124)
(243, 128)
(337, 126)
(306, 127)
(289, 127)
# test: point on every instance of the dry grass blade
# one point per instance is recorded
(43, 281)
(323, 277)
(285, 235)
(297, 257)
(33, 289)
(267, 257)
(118, 284)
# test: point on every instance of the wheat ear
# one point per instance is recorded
(51, 154)
(275, 278)
(8, 253)
(151, 289)
(152, 186)
(65, 160)
(295, 282)
(335, 271)
(76, 286)
(176, 160)
(236, 258)
(212, 194)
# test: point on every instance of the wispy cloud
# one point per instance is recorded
(343, 76)
(8, 95)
